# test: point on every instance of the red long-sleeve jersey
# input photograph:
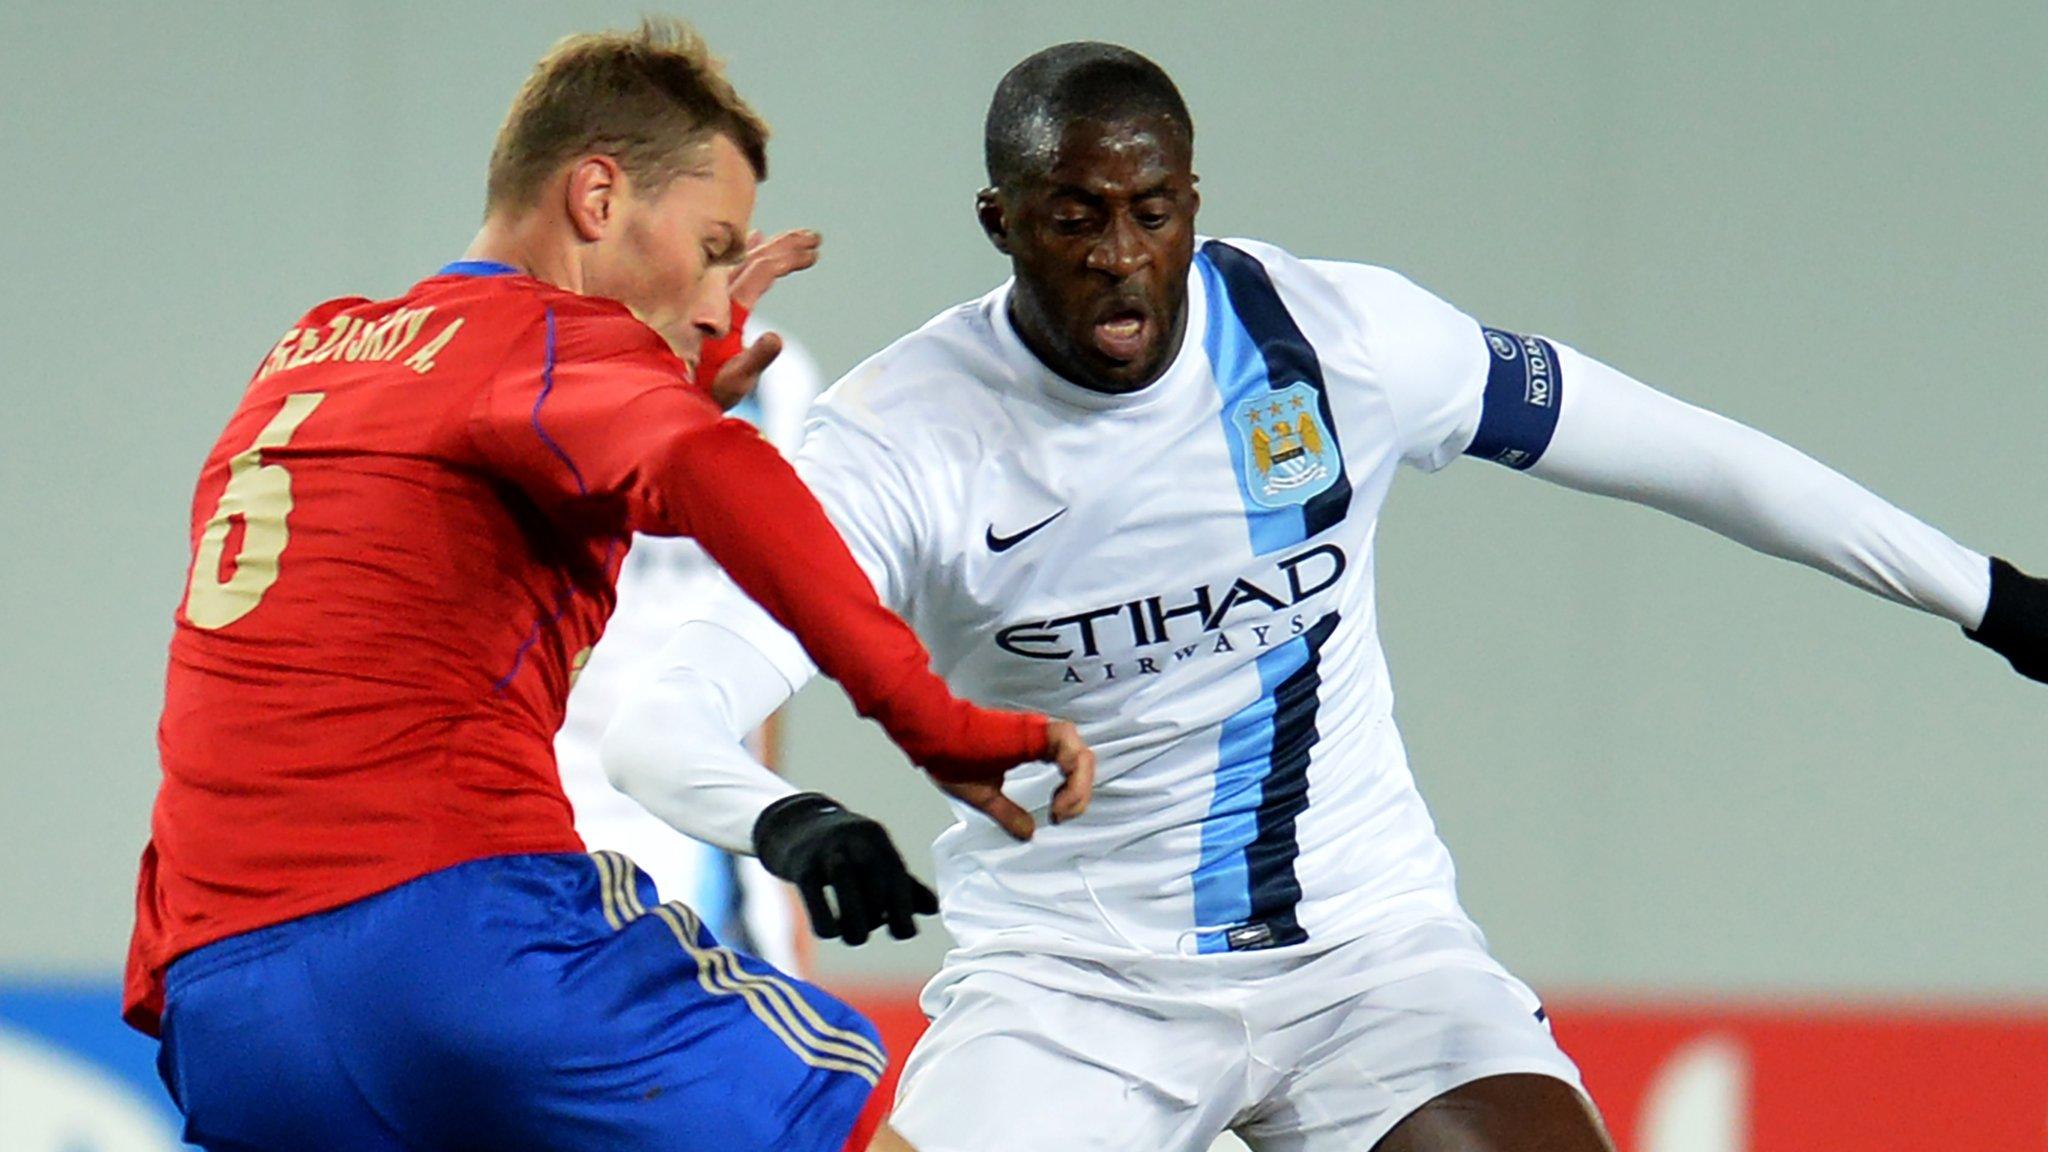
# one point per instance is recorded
(404, 546)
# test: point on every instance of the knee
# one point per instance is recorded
(1515, 1112)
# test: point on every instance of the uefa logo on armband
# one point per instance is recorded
(1289, 456)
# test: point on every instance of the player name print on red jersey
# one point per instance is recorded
(353, 339)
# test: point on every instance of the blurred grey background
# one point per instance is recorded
(1664, 764)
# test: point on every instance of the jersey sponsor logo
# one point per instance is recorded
(1206, 620)
(1289, 457)
(1005, 543)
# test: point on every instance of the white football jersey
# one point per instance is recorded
(1187, 573)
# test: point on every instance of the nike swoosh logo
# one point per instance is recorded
(1005, 543)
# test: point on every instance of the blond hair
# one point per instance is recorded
(650, 99)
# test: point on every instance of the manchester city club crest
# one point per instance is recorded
(1290, 456)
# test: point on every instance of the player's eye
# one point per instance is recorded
(1071, 225)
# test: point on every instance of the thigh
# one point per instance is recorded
(248, 1060)
(659, 1039)
(519, 1003)
(1509, 1113)
(1365, 1065)
(1012, 1065)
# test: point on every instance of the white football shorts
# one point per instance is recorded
(1293, 1053)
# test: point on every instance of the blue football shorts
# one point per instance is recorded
(517, 1002)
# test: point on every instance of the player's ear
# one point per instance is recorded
(592, 191)
(988, 208)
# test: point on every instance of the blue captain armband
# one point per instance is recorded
(1524, 391)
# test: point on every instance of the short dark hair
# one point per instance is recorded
(651, 98)
(1083, 80)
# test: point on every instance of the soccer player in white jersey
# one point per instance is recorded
(659, 585)
(1138, 485)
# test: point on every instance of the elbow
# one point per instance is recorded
(626, 747)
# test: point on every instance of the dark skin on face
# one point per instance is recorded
(1100, 239)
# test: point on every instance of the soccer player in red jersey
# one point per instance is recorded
(364, 920)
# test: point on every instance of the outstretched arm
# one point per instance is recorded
(1617, 437)
(1453, 387)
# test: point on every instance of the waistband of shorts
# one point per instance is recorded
(256, 943)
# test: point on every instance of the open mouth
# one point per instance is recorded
(1121, 335)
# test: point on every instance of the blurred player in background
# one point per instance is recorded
(364, 921)
(744, 906)
(1139, 485)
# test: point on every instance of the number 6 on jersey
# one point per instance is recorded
(261, 494)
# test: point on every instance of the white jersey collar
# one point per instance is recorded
(1186, 364)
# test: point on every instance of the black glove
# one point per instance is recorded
(810, 841)
(2016, 624)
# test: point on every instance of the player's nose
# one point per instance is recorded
(1120, 250)
(711, 311)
